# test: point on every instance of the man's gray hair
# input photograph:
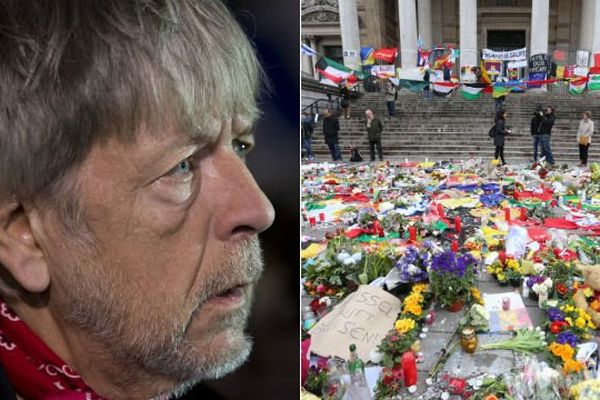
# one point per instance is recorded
(74, 73)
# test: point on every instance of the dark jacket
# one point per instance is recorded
(426, 78)
(331, 126)
(547, 124)
(307, 127)
(6, 391)
(501, 131)
(535, 124)
(374, 132)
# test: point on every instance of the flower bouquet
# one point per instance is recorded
(398, 341)
(451, 278)
(389, 384)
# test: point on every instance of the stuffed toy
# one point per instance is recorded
(591, 274)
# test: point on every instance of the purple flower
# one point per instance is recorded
(554, 314)
(567, 337)
(532, 280)
(413, 265)
(448, 263)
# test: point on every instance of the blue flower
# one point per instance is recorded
(567, 337)
(554, 314)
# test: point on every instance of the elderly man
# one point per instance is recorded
(128, 219)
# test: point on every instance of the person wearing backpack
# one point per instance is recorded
(500, 131)
(374, 128)
(536, 121)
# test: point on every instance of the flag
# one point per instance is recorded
(366, 56)
(386, 54)
(336, 72)
(444, 88)
(499, 91)
(412, 85)
(484, 74)
(307, 51)
(577, 86)
(594, 83)
(423, 57)
(471, 93)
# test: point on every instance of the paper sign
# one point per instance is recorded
(511, 55)
(517, 64)
(516, 317)
(583, 58)
(363, 318)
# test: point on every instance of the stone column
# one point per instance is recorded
(407, 14)
(468, 33)
(424, 11)
(313, 45)
(307, 67)
(350, 33)
(540, 12)
(596, 32)
(586, 27)
(375, 24)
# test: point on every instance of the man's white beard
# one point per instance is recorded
(144, 344)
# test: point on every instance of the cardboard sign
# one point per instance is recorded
(538, 68)
(384, 70)
(363, 318)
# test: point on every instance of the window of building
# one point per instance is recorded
(335, 53)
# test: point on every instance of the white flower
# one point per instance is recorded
(413, 270)
(412, 389)
(548, 283)
(357, 256)
(349, 261)
(325, 300)
(342, 257)
(375, 356)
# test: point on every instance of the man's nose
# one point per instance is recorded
(242, 209)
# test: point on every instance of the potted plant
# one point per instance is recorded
(451, 278)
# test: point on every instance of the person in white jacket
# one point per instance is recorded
(584, 136)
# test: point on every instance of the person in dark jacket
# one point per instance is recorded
(374, 128)
(307, 132)
(426, 89)
(545, 131)
(500, 132)
(331, 126)
(345, 103)
(536, 120)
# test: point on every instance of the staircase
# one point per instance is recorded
(447, 128)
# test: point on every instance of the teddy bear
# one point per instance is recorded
(591, 274)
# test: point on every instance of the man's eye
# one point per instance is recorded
(182, 169)
(240, 147)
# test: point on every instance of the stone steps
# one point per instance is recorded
(455, 128)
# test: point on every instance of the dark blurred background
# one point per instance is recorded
(273, 369)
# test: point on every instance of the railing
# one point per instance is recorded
(323, 104)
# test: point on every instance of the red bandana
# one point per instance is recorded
(33, 370)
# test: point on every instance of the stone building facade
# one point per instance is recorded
(332, 27)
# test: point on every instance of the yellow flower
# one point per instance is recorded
(572, 366)
(476, 295)
(501, 277)
(591, 325)
(404, 325)
(564, 351)
(588, 292)
(580, 323)
(414, 309)
(419, 287)
(513, 264)
(569, 320)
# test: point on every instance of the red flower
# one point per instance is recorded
(556, 326)
(562, 289)
(502, 257)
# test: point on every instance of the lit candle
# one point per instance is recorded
(507, 214)
(412, 232)
(312, 220)
(457, 224)
(440, 210)
(321, 217)
(523, 214)
(454, 246)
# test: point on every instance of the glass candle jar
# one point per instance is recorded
(468, 340)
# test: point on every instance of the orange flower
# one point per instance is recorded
(572, 366)
(595, 305)
(490, 397)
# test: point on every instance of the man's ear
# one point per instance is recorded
(20, 254)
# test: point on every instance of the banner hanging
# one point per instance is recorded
(510, 55)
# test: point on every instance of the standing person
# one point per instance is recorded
(584, 137)
(374, 128)
(331, 126)
(390, 98)
(536, 121)
(545, 131)
(307, 132)
(345, 103)
(500, 132)
(426, 89)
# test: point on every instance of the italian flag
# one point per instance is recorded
(336, 72)
(577, 86)
(444, 88)
(594, 83)
(471, 93)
